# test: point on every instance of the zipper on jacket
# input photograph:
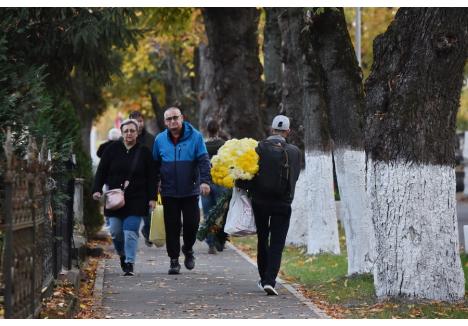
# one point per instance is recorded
(175, 170)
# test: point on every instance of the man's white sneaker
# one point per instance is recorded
(270, 290)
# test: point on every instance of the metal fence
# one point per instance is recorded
(35, 244)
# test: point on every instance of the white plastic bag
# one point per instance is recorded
(240, 219)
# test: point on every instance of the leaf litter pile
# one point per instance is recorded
(67, 302)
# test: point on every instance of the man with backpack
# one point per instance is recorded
(272, 192)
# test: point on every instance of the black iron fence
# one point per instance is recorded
(35, 243)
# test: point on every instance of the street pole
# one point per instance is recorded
(358, 35)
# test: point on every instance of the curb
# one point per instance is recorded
(288, 287)
(99, 283)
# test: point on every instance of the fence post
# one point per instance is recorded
(8, 247)
(79, 238)
(8, 223)
(31, 163)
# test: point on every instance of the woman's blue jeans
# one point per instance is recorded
(124, 232)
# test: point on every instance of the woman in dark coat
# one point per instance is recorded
(121, 161)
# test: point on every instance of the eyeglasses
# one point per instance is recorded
(131, 131)
(175, 118)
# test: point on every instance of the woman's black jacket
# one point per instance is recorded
(114, 169)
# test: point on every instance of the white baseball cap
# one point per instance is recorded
(280, 122)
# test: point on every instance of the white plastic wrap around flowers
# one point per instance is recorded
(236, 159)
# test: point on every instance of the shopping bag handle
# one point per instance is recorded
(158, 200)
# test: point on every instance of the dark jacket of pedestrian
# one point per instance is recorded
(114, 169)
(184, 165)
(212, 146)
(294, 157)
(146, 139)
(103, 147)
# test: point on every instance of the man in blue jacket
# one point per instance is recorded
(183, 167)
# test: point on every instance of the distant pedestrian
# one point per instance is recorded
(113, 135)
(146, 139)
(129, 166)
(183, 166)
(213, 143)
(272, 192)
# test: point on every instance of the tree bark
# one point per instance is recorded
(272, 66)
(345, 104)
(304, 102)
(208, 105)
(411, 105)
(233, 45)
(158, 110)
(290, 24)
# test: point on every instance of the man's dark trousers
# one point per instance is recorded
(272, 220)
(173, 207)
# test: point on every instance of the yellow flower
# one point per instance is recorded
(236, 159)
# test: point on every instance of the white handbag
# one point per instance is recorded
(240, 219)
(115, 199)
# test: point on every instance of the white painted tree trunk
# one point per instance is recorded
(322, 233)
(297, 233)
(415, 221)
(350, 168)
(465, 233)
(465, 164)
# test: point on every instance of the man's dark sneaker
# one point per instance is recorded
(189, 260)
(219, 246)
(129, 270)
(212, 250)
(148, 243)
(174, 267)
(270, 290)
(122, 263)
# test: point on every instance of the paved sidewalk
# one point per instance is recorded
(220, 286)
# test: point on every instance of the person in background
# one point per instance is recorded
(113, 135)
(213, 143)
(183, 165)
(127, 162)
(272, 191)
(146, 139)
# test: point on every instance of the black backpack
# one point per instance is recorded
(273, 174)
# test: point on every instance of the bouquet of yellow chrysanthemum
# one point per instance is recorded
(236, 159)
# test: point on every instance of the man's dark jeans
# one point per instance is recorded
(272, 221)
(173, 207)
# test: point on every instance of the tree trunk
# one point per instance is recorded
(208, 105)
(88, 103)
(292, 104)
(345, 102)
(304, 102)
(411, 105)
(158, 110)
(272, 66)
(86, 126)
(233, 46)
